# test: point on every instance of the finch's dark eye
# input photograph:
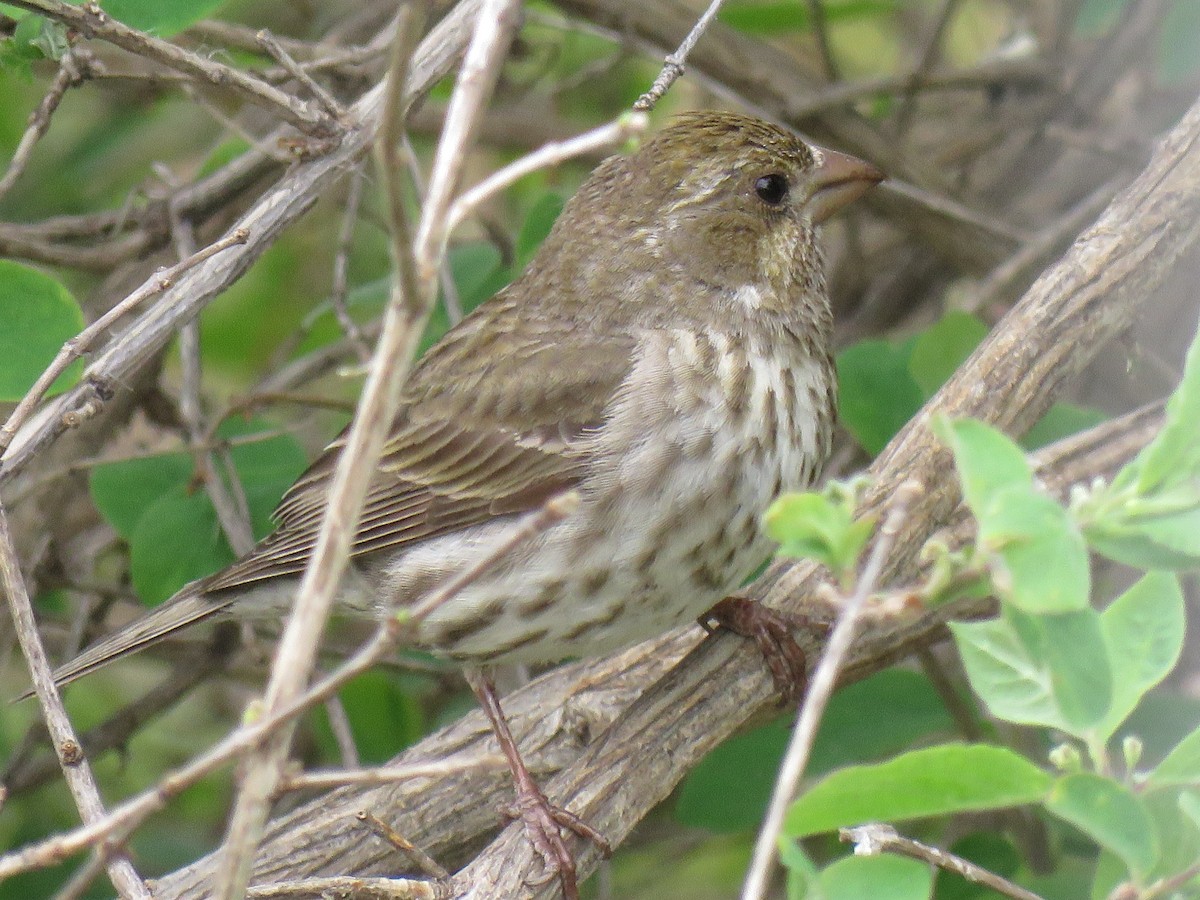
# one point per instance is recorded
(772, 189)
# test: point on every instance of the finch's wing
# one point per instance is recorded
(489, 426)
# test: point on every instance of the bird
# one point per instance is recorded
(666, 356)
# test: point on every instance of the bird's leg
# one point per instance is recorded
(542, 818)
(771, 632)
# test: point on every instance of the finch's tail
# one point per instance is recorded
(186, 608)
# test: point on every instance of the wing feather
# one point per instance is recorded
(470, 443)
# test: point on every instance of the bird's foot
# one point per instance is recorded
(543, 820)
(543, 825)
(771, 632)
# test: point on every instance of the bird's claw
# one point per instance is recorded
(771, 632)
(543, 824)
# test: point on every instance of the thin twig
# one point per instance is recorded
(388, 774)
(339, 724)
(427, 863)
(380, 888)
(113, 828)
(82, 342)
(268, 42)
(450, 297)
(234, 522)
(92, 22)
(820, 689)
(71, 757)
(76, 65)
(1164, 887)
(871, 840)
(616, 132)
(928, 58)
(673, 65)
(341, 267)
(820, 30)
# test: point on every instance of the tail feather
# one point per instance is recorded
(186, 608)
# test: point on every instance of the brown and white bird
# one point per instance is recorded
(666, 355)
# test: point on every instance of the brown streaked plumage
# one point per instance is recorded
(528, 394)
(666, 354)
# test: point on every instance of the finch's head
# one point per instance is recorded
(716, 198)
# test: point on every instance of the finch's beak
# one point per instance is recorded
(838, 180)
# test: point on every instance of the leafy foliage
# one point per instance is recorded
(39, 316)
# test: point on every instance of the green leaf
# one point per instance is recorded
(931, 782)
(176, 540)
(1039, 670)
(1110, 814)
(1181, 768)
(384, 718)
(987, 460)
(893, 877)
(803, 880)
(1039, 556)
(818, 526)
(163, 18)
(849, 733)
(538, 222)
(1143, 629)
(751, 760)
(124, 490)
(942, 347)
(878, 395)
(1174, 454)
(1061, 421)
(1189, 805)
(39, 316)
(1165, 541)
(473, 266)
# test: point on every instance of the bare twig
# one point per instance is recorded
(76, 65)
(929, 56)
(388, 774)
(450, 296)
(76, 769)
(871, 840)
(25, 774)
(82, 342)
(235, 521)
(816, 698)
(614, 133)
(339, 724)
(349, 886)
(268, 42)
(673, 65)
(820, 30)
(91, 21)
(427, 863)
(341, 266)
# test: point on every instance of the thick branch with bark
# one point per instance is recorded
(631, 727)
